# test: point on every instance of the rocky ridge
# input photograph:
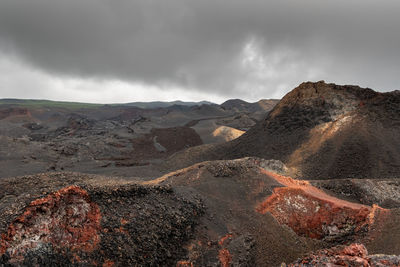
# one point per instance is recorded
(321, 131)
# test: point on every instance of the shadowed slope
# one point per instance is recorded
(323, 131)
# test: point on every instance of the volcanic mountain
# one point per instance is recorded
(322, 131)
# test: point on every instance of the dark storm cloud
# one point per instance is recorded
(220, 46)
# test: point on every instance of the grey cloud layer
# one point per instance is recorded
(201, 44)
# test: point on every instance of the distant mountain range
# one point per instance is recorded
(45, 103)
(164, 104)
(238, 104)
(66, 104)
(241, 105)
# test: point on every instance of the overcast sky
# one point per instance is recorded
(141, 50)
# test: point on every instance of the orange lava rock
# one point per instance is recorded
(184, 264)
(312, 213)
(108, 263)
(121, 230)
(225, 257)
(66, 218)
(352, 255)
(224, 238)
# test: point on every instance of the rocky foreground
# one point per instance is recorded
(242, 212)
(72, 219)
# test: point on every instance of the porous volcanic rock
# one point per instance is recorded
(352, 255)
(73, 219)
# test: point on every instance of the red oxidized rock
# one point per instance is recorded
(312, 213)
(65, 219)
(352, 255)
(225, 257)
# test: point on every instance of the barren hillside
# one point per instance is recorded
(323, 131)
